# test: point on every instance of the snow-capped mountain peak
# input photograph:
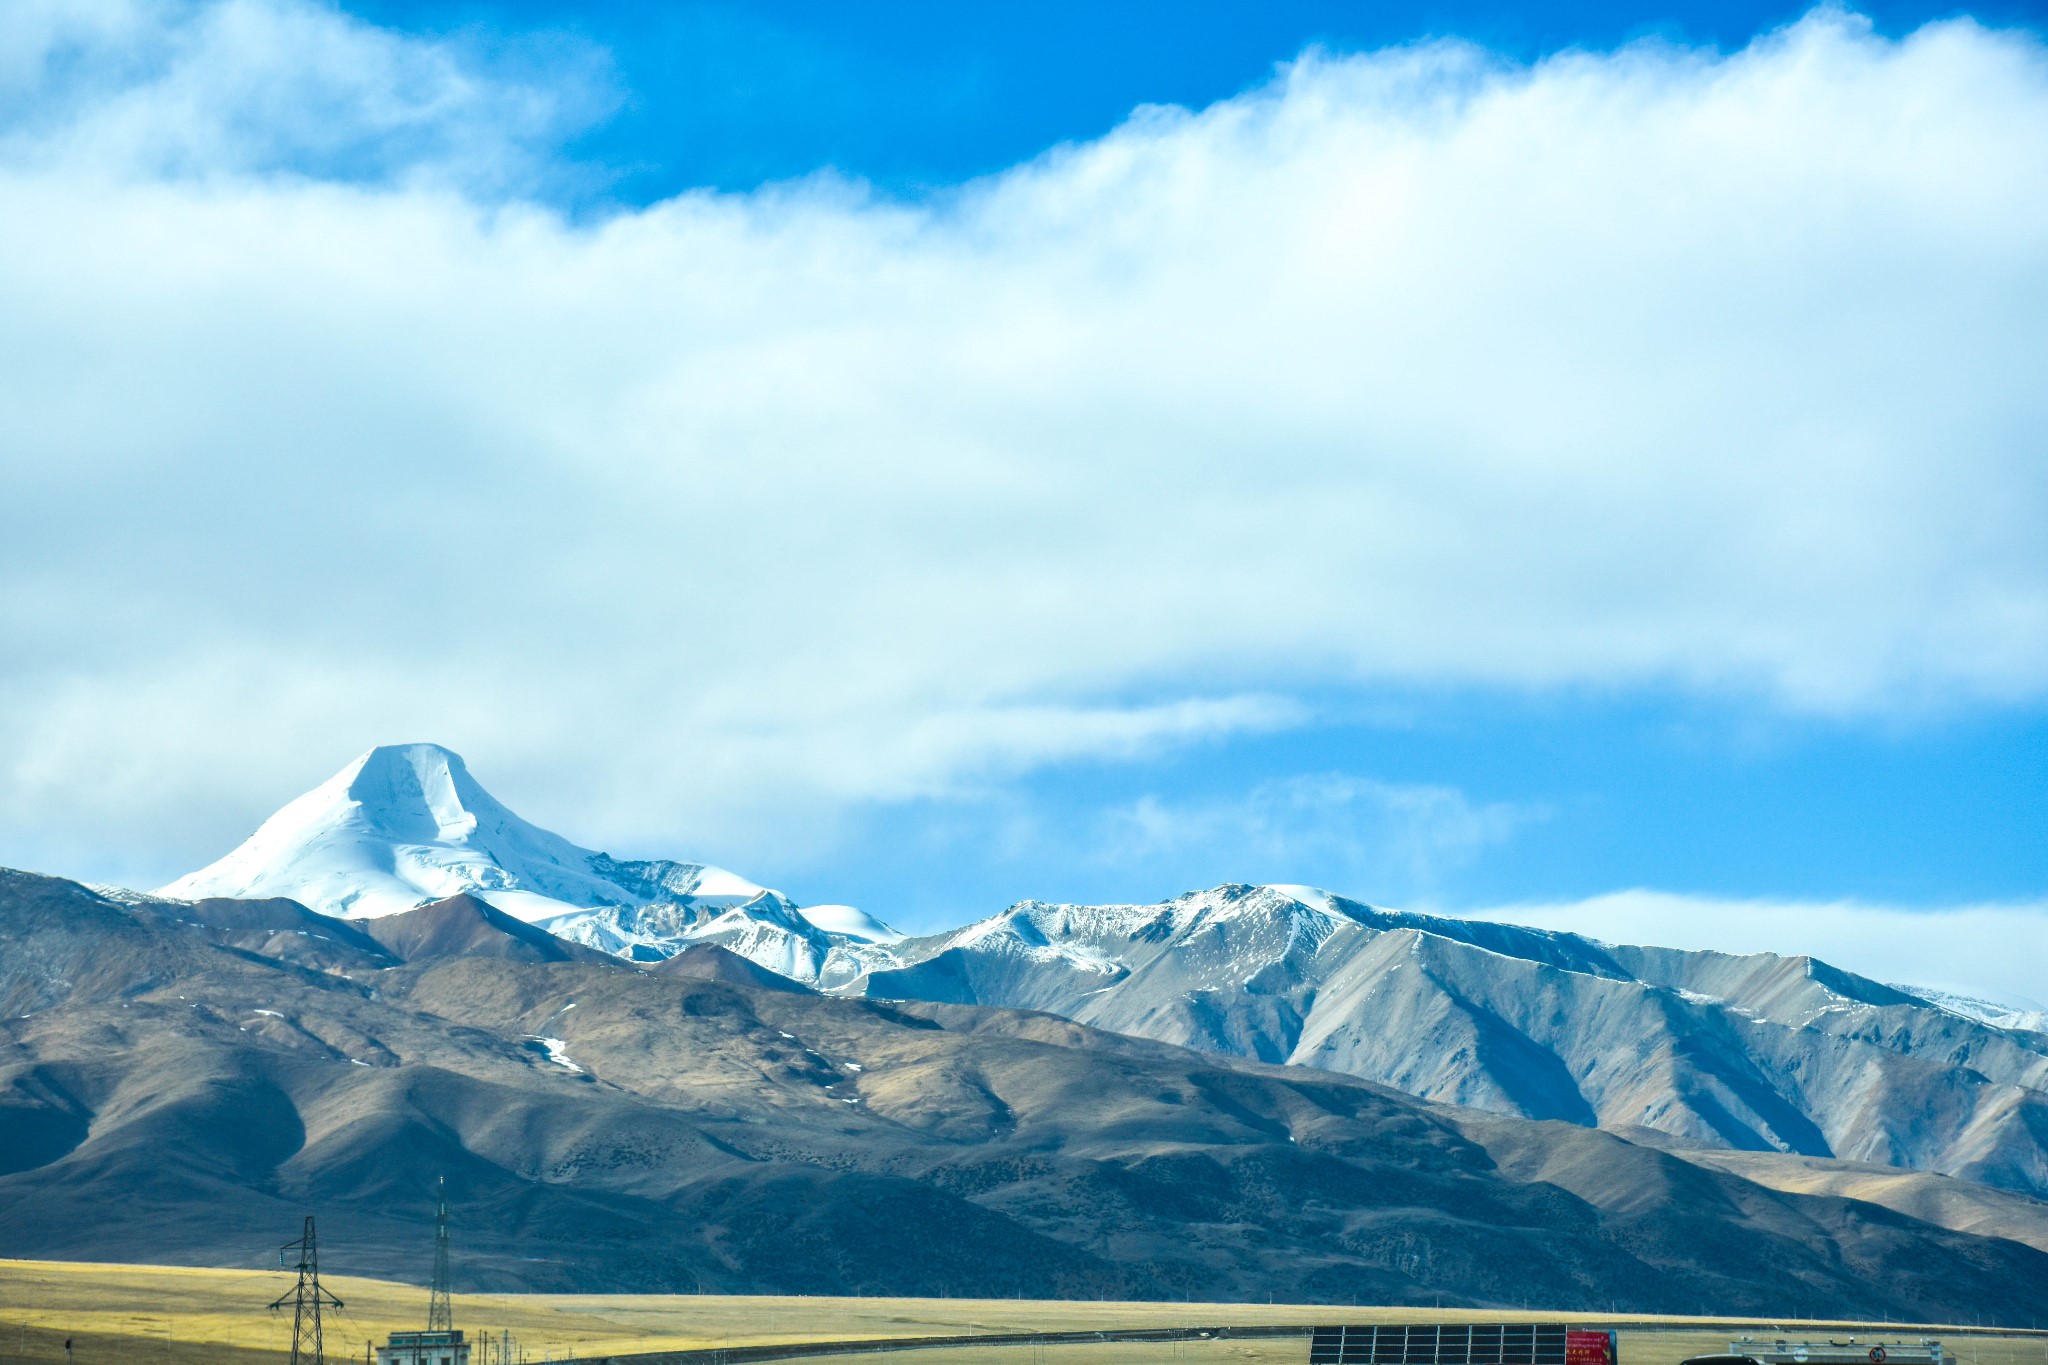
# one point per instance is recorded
(402, 824)
(406, 823)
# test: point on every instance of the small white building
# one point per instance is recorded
(424, 1348)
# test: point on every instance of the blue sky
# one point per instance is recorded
(916, 95)
(1467, 456)
(1586, 794)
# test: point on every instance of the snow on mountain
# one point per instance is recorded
(768, 929)
(849, 922)
(406, 824)
(2027, 1017)
(1755, 1052)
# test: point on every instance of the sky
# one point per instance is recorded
(1584, 463)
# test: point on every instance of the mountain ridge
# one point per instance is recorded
(161, 1088)
(1747, 1052)
(1755, 1051)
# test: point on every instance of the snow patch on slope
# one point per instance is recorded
(556, 1051)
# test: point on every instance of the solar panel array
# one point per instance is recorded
(1440, 1344)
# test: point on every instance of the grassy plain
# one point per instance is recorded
(161, 1315)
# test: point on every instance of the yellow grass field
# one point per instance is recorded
(143, 1315)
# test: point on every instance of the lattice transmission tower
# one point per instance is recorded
(306, 1298)
(439, 1317)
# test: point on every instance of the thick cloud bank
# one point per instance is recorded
(1654, 367)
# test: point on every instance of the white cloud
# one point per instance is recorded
(211, 88)
(1333, 828)
(700, 522)
(1995, 950)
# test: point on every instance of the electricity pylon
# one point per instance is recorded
(306, 1298)
(439, 1318)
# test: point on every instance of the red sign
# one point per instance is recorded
(1592, 1348)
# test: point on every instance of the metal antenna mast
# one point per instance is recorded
(439, 1318)
(306, 1298)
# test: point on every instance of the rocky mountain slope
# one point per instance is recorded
(1748, 1053)
(183, 1081)
(1754, 1052)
